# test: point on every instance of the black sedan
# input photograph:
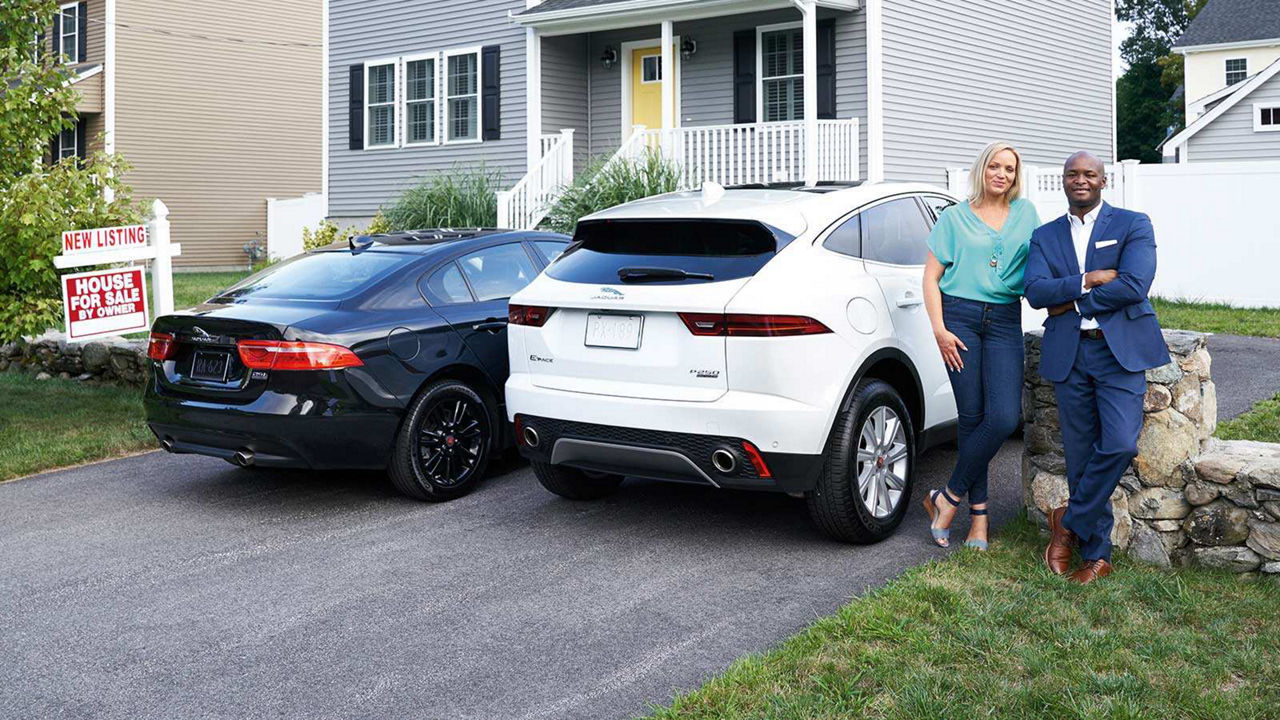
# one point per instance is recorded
(388, 352)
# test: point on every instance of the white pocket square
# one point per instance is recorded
(1105, 243)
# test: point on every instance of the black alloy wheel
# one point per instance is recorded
(444, 444)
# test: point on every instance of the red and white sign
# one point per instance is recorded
(98, 239)
(104, 302)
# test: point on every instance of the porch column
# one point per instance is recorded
(533, 96)
(810, 13)
(668, 78)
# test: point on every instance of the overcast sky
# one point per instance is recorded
(1120, 32)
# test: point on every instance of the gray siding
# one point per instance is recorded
(958, 75)
(360, 181)
(1231, 135)
(564, 90)
(707, 78)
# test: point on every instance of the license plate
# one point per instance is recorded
(614, 331)
(210, 366)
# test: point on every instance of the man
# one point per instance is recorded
(1092, 268)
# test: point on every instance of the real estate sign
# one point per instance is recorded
(104, 302)
(97, 239)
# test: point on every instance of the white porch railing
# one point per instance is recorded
(549, 142)
(1044, 187)
(752, 153)
(523, 206)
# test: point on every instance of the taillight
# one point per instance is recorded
(282, 355)
(531, 315)
(744, 325)
(757, 460)
(161, 346)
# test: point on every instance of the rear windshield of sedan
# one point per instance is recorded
(721, 249)
(318, 276)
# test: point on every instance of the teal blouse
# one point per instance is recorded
(980, 263)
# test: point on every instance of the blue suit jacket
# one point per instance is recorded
(1121, 306)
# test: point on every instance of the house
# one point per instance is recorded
(216, 106)
(758, 90)
(1231, 53)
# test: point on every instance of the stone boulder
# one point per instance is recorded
(1219, 523)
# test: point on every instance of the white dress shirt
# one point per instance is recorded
(1080, 232)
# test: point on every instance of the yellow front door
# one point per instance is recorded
(646, 87)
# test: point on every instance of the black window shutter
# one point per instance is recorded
(355, 108)
(81, 150)
(57, 34)
(491, 93)
(82, 32)
(826, 69)
(744, 76)
(55, 148)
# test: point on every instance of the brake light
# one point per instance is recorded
(282, 355)
(757, 460)
(531, 315)
(161, 346)
(744, 325)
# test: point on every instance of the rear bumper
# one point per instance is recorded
(279, 430)
(664, 455)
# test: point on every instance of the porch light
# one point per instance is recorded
(688, 46)
(609, 57)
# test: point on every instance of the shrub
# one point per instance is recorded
(328, 232)
(462, 197)
(605, 185)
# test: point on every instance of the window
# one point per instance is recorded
(420, 101)
(67, 143)
(651, 69)
(380, 105)
(446, 287)
(1237, 71)
(498, 272)
(937, 204)
(895, 233)
(781, 74)
(68, 40)
(1266, 118)
(462, 111)
(550, 249)
(847, 238)
(320, 276)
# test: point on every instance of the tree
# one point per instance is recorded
(1148, 104)
(40, 196)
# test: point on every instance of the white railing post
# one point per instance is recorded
(810, 82)
(504, 208)
(566, 170)
(1030, 182)
(1127, 177)
(955, 181)
(856, 139)
(162, 265)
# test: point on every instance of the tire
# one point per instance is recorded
(573, 483)
(443, 447)
(864, 488)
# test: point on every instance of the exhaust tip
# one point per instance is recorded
(243, 458)
(724, 461)
(167, 443)
(531, 437)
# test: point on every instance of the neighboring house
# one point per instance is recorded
(216, 106)
(761, 90)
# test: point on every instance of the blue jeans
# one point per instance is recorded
(988, 390)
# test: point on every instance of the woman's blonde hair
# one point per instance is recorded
(978, 173)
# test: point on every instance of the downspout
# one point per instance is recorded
(109, 87)
(875, 91)
(324, 108)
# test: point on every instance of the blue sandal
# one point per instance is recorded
(976, 544)
(941, 536)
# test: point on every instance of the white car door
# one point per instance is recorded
(894, 234)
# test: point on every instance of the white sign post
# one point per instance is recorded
(100, 296)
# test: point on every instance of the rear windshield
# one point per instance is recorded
(665, 252)
(318, 276)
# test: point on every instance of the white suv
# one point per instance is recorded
(769, 339)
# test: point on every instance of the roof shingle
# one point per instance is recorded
(550, 5)
(1231, 21)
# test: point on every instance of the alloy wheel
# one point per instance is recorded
(882, 463)
(450, 441)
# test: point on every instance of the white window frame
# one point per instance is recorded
(75, 147)
(73, 59)
(760, 31)
(1227, 71)
(435, 98)
(443, 106)
(1275, 117)
(396, 94)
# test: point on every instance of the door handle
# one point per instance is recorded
(492, 325)
(909, 299)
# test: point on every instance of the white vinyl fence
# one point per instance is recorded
(286, 219)
(1217, 224)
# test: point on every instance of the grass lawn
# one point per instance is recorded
(54, 423)
(1261, 423)
(997, 635)
(194, 288)
(1182, 315)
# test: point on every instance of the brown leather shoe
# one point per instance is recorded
(1090, 571)
(1057, 554)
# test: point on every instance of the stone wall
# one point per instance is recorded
(112, 360)
(1187, 499)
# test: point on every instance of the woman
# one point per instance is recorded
(972, 291)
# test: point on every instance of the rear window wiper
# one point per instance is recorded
(640, 274)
